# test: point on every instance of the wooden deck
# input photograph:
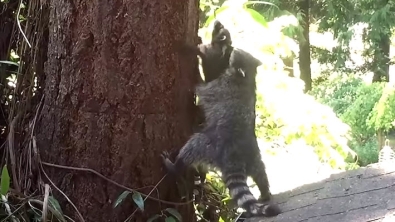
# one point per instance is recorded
(362, 195)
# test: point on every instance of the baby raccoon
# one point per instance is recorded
(214, 56)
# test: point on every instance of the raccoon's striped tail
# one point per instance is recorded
(242, 196)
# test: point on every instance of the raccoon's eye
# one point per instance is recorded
(222, 38)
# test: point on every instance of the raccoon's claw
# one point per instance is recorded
(165, 155)
(168, 164)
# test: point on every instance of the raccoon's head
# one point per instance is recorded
(220, 35)
(244, 62)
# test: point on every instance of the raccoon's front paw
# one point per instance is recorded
(168, 164)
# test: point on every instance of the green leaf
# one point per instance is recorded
(5, 181)
(153, 218)
(138, 199)
(257, 17)
(214, 15)
(9, 62)
(121, 198)
(55, 204)
(261, 2)
(170, 219)
(175, 213)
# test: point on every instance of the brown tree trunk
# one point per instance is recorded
(117, 94)
(381, 63)
(304, 46)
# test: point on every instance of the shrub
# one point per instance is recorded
(284, 111)
(383, 115)
(353, 101)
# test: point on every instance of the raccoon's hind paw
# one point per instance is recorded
(168, 164)
(264, 210)
(265, 197)
(272, 210)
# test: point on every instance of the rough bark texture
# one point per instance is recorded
(304, 46)
(117, 94)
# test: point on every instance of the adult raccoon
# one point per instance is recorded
(228, 141)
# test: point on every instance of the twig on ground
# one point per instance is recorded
(148, 195)
(115, 183)
(8, 208)
(19, 24)
(45, 204)
(11, 152)
(53, 211)
(67, 198)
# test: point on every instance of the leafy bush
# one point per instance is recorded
(338, 92)
(353, 101)
(285, 111)
(383, 115)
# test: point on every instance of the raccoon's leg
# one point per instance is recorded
(193, 152)
(202, 173)
(257, 171)
(235, 178)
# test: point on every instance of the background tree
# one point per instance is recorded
(375, 19)
(117, 94)
(299, 32)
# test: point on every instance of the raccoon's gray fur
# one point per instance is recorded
(215, 59)
(228, 141)
(214, 56)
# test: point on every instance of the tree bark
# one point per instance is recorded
(381, 64)
(304, 46)
(117, 94)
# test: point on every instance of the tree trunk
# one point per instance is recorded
(117, 94)
(381, 62)
(289, 65)
(304, 46)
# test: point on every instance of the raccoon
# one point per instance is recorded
(214, 56)
(215, 59)
(228, 141)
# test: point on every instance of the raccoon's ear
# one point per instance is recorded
(256, 62)
(217, 26)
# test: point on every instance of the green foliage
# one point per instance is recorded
(353, 101)
(138, 200)
(357, 112)
(217, 196)
(346, 19)
(383, 115)
(5, 181)
(338, 92)
(285, 111)
(367, 152)
(121, 198)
